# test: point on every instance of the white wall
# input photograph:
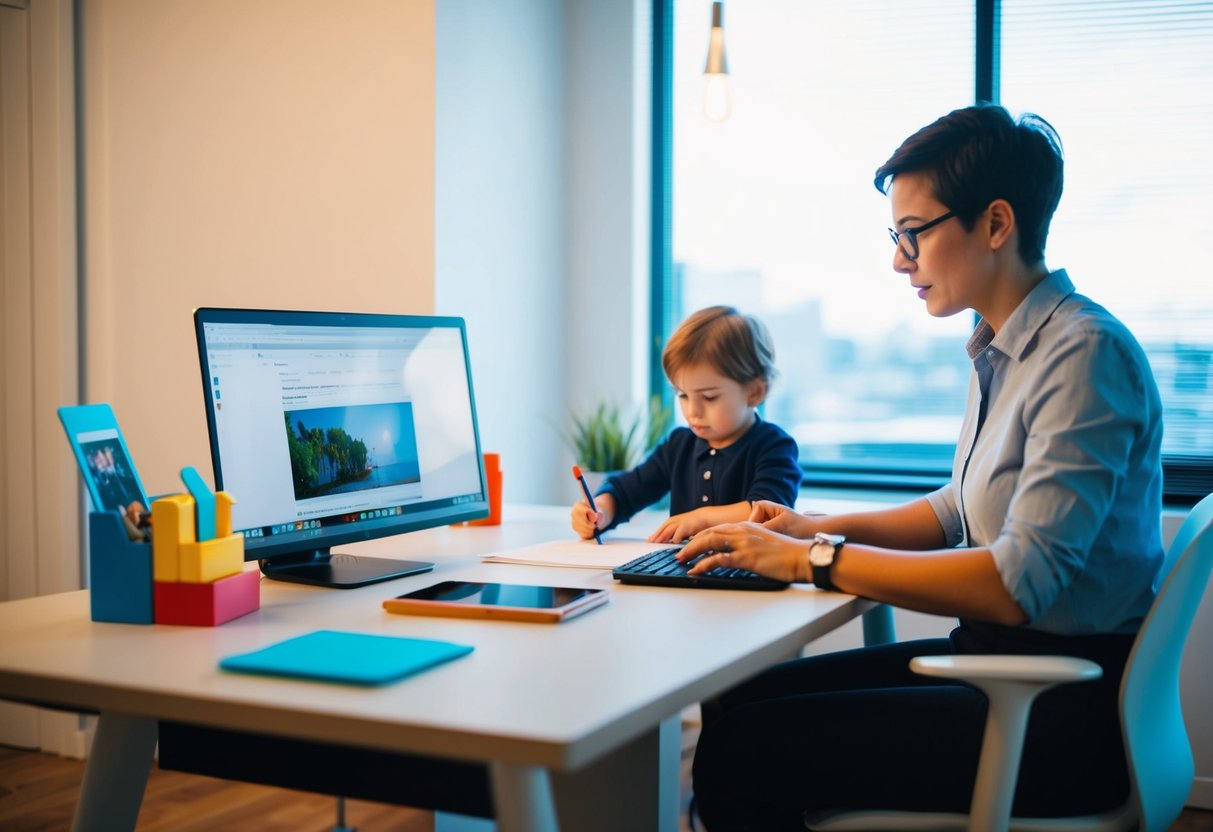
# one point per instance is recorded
(541, 217)
(500, 222)
(274, 153)
(471, 158)
(609, 189)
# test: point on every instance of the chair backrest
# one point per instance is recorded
(1156, 741)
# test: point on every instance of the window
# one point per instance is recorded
(773, 210)
(1135, 112)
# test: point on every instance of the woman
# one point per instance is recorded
(1045, 541)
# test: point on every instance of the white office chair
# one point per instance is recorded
(1156, 742)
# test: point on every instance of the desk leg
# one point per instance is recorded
(878, 627)
(522, 798)
(116, 773)
(634, 787)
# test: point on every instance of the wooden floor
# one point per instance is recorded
(38, 793)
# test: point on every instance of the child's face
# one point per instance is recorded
(717, 408)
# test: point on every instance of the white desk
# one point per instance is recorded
(568, 716)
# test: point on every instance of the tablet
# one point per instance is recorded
(105, 463)
(517, 602)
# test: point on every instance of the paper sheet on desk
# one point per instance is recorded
(585, 554)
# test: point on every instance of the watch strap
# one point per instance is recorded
(822, 572)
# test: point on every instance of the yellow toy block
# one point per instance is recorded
(209, 560)
(223, 513)
(172, 525)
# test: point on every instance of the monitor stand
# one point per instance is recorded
(320, 567)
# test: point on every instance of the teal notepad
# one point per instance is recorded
(350, 658)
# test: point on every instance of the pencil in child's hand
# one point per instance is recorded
(589, 498)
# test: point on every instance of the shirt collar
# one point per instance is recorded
(1027, 319)
(702, 447)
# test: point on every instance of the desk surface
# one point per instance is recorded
(557, 696)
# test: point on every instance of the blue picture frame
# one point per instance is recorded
(105, 462)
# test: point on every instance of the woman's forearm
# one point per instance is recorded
(912, 526)
(963, 583)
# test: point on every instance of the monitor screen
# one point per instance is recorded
(329, 428)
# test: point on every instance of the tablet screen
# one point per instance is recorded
(500, 595)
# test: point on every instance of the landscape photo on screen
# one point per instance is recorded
(336, 450)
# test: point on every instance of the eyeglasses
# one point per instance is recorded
(907, 239)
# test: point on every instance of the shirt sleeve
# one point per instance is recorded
(943, 501)
(777, 472)
(1082, 420)
(642, 486)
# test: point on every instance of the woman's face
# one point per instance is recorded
(951, 272)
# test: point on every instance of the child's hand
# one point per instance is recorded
(586, 522)
(683, 526)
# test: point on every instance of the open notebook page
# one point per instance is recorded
(586, 554)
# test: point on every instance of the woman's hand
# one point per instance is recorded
(780, 518)
(749, 546)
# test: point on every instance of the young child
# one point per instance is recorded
(721, 364)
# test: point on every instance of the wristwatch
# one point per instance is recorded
(822, 554)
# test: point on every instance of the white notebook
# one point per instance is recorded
(586, 554)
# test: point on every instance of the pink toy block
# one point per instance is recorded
(208, 605)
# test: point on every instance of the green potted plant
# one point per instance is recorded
(609, 439)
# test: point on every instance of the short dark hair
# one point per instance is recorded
(737, 346)
(978, 154)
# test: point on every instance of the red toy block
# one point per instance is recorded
(208, 605)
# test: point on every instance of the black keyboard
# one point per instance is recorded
(659, 568)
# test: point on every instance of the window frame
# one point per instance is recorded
(1186, 478)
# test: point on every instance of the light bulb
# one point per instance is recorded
(717, 103)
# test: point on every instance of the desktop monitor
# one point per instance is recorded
(329, 428)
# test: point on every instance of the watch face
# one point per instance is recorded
(821, 554)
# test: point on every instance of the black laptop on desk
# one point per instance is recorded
(659, 568)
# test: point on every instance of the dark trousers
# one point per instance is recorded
(860, 730)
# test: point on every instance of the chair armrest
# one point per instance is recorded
(1046, 670)
(1011, 683)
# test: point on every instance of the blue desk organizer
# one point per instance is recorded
(120, 571)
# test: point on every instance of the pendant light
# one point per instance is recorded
(717, 103)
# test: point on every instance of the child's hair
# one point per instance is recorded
(737, 346)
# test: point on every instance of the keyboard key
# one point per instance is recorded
(662, 568)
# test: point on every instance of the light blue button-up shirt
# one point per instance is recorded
(1062, 479)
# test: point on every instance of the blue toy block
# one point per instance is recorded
(204, 502)
(120, 572)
